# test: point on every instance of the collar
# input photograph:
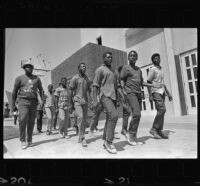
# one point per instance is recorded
(158, 67)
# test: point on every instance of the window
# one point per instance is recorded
(99, 40)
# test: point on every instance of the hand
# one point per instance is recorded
(170, 97)
(71, 108)
(14, 108)
(124, 92)
(118, 104)
(56, 110)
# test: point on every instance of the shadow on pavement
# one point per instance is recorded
(45, 141)
(119, 145)
(94, 139)
(143, 139)
(168, 132)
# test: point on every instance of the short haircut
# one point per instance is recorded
(50, 85)
(154, 55)
(82, 63)
(104, 55)
(63, 78)
(131, 52)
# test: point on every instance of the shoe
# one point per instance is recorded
(76, 128)
(160, 133)
(124, 132)
(110, 147)
(96, 129)
(91, 133)
(62, 134)
(66, 136)
(131, 140)
(23, 145)
(29, 144)
(39, 131)
(84, 143)
(155, 134)
(47, 132)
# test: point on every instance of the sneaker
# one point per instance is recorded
(124, 132)
(66, 136)
(131, 140)
(29, 144)
(91, 133)
(23, 145)
(155, 134)
(162, 135)
(62, 134)
(84, 143)
(110, 147)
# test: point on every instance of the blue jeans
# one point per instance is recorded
(95, 117)
(159, 100)
(27, 115)
(111, 118)
(135, 102)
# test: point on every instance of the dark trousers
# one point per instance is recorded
(15, 119)
(27, 114)
(159, 100)
(111, 118)
(55, 117)
(39, 116)
(126, 114)
(135, 102)
(81, 112)
(95, 117)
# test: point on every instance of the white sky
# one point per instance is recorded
(55, 45)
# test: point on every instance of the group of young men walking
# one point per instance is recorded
(108, 90)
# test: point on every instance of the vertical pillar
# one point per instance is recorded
(172, 71)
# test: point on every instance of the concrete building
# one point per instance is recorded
(178, 50)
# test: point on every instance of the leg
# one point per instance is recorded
(161, 109)
(31, 121)
(23, 120)
(112, 118)
(79, 115)
(61, 116)
(95, 117)
(49, 119)
(126, 114)
(159, 119)
(66, 122)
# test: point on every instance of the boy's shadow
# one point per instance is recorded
(121, 144)
(44, 141)
(90, 140)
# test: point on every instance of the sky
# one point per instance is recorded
(55, 45)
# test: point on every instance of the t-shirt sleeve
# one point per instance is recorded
(123, 74)
(57, 92)
(150, 75)
(72, 83)
(98, 78)
(17, 84)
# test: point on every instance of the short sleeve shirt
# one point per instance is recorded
(133, 79)
(81, 86)
(28, 86)
(156, 76)
(48, 97)
(106, 80)
(63, 100)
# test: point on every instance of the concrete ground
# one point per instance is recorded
(182, 143)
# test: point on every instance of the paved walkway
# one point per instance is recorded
(182, 143)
